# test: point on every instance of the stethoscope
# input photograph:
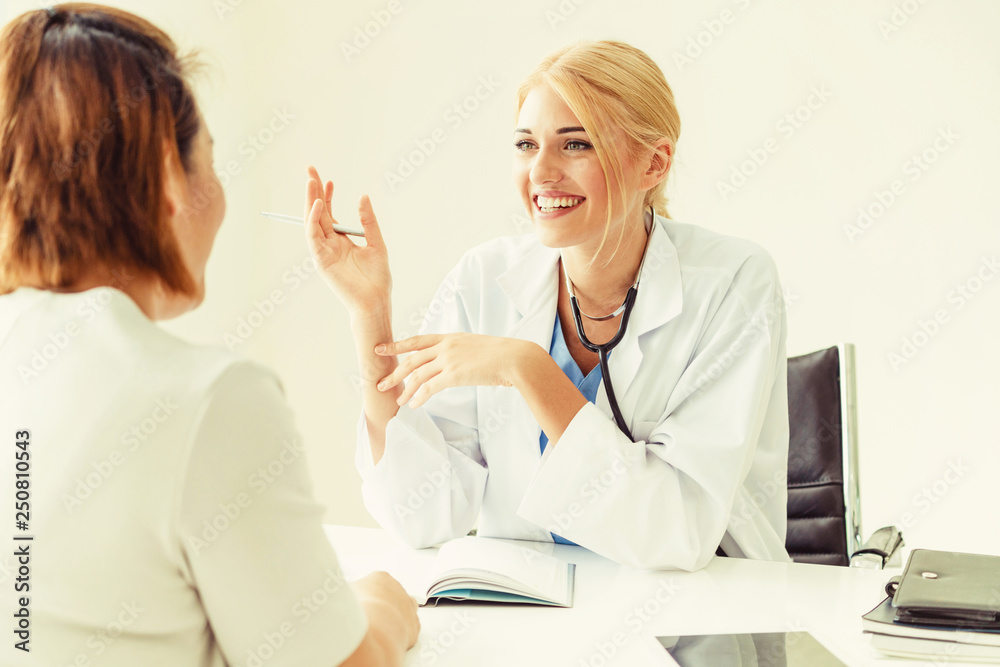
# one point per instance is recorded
(605, 349)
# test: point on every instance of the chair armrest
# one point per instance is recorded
(879, 549)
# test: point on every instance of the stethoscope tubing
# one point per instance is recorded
(604, 350)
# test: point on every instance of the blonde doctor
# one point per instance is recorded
(505, 414)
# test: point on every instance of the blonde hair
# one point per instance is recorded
(613, 86)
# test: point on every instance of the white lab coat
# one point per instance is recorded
(700, 378)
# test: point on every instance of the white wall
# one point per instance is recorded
(884, 96)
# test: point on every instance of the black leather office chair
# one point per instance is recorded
(824, 506)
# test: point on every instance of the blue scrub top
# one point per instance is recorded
(588, 385)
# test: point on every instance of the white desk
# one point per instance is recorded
(618, 609)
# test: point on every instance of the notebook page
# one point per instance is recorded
(537, 572)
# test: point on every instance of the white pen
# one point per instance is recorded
(300, 221)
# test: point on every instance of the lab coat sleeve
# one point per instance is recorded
(428, 486)
(251, 531)
(666, 502)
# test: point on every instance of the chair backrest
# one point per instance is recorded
(824, 517)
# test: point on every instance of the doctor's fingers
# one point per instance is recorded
(406, 367)
(323, 242)
(315, 189)
(373, 233)
(408, 344)
(422, 384)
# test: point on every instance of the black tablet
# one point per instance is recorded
(770, 649)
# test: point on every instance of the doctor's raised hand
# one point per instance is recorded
(361, 279)
(358, 275)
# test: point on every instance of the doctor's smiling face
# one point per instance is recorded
(560, 178)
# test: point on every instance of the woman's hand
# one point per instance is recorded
(393, 625)
(452, 360)
(358, 275)
(381, 587)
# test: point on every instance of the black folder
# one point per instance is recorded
(948, 589)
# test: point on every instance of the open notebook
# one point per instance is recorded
(480, 568)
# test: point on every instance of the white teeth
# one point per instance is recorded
(551, 203)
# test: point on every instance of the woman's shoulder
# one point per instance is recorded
(116, 336)
(203, 368)
(696, 244)
(702, 249)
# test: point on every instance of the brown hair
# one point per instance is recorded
(93, 100)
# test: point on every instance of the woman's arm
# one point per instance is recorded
(371, 328)
(391, 627)
(359, 275)
(252, 542)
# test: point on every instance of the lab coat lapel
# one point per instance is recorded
(658, 301)
(531, 285)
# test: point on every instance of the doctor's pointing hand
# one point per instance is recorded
(616, 379)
